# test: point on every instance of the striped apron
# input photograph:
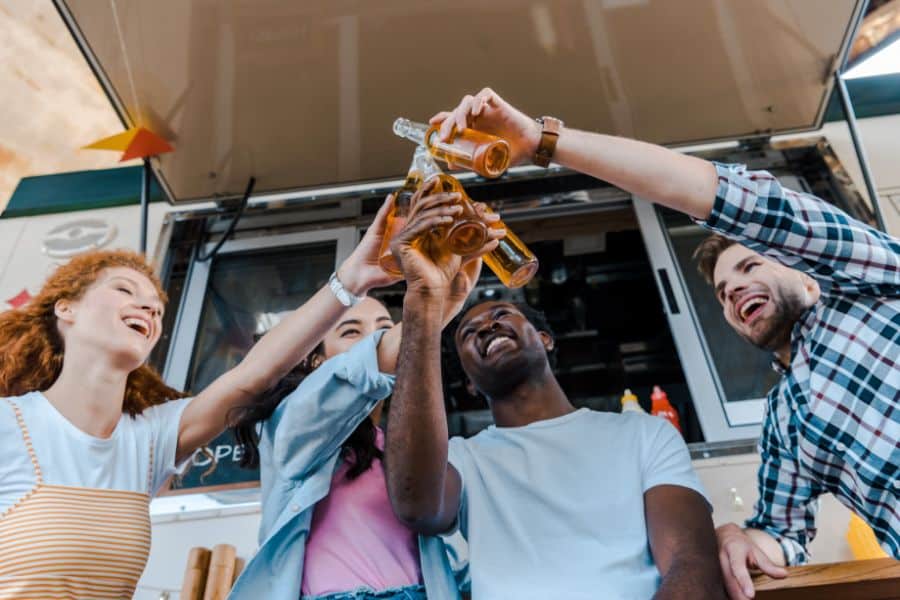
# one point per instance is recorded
(73, 542)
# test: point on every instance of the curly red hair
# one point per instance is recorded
(31, 347)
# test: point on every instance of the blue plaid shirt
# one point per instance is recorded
(832, 423)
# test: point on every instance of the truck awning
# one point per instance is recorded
(303, 94)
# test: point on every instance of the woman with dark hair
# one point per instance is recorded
(328, 530)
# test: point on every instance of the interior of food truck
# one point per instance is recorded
(614, 307)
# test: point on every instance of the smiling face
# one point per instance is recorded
(358, 322)
(761, 299)
(120, 315)
(499, 348)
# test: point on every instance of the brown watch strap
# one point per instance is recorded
(550, 129)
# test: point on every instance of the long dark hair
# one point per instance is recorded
(359, 450)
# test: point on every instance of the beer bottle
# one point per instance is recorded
(464, 236)
(511, 260)
(469, 149)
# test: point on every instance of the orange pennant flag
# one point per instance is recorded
(137, 142)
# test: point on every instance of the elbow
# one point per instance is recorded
(416, 514)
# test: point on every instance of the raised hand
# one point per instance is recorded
(361, 272)
(469, 271)
(427, 270)
(488, 112)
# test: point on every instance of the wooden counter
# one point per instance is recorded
(877, 579)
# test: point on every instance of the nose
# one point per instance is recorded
(487, 328)
(152, 309)
(734, 289)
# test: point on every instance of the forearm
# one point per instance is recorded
(689, 579)
(289, 342)
(416, 449)
(266, 363)
(681, 182)
(683, 543)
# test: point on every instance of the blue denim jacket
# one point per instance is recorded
(299, 447)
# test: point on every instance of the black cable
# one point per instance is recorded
(232, 225)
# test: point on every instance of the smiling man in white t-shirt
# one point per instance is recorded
(554, 502)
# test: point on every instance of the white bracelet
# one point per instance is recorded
(341, 293)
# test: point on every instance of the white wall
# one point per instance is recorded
(880, 137)
(23, 262)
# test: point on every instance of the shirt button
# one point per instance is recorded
(840, 447)
(295, 508)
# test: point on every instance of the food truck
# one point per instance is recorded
(300, 97)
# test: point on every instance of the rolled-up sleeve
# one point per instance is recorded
(804, 232)
(313, 421)
(788, 500)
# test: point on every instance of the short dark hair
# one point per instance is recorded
(708, 252)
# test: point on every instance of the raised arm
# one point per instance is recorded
(285, 345)
(682, 543)
(423, 486)
(801, 231)
(684, 183)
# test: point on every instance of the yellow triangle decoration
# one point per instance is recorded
(119, 142)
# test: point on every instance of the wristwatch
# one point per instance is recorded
(550, 129)
(341, 293)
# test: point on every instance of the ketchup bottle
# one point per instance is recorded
(663, 408)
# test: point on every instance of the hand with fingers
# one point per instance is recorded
(470, 269)
(360, 271)
(438, 273)
(488, 112)
(738, 553)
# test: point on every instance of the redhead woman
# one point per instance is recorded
(88, 431)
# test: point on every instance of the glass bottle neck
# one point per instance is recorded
(414, 132)
(423, 164)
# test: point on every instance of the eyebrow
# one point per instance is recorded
(357, 322)
(494, 308)
(124, 278)
(737, 267)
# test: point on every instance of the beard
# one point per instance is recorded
(775, 332)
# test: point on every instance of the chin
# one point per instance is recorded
(129, 359)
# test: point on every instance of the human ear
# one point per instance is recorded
(547, 340)
(64, 310)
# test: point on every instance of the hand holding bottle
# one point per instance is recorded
(488, 112)
(426, 271)
(361, 272)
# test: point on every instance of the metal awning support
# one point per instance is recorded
(850, 117)
(145, 203)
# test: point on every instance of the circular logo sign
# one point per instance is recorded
(78, 236)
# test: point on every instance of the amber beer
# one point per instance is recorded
(511, 261)
(464, 236)
(469, 149)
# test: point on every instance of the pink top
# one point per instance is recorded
(355, 540)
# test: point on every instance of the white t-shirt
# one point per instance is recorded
(555, 509)
(69, 456)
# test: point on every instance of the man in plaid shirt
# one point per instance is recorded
(807, 282)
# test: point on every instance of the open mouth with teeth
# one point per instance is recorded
(496, 344)
(751, 307)
(139, 325)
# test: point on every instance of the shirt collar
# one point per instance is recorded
(799, 332)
